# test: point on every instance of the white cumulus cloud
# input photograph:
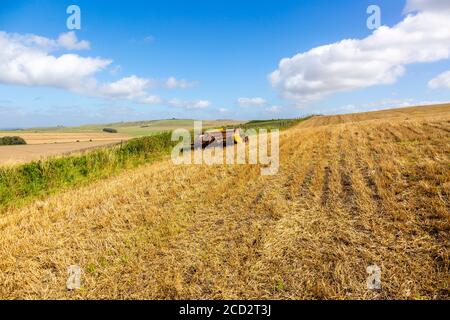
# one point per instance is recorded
(130, 88)
(25, 60)
(273, 109)
(379, 59)
(427, 5)
(199, 104)
(69, 41)
(441, 81)
(29, 60)
(127, 87)
(174, 83)
(247, 102)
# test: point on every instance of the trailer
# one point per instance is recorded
(217, 138)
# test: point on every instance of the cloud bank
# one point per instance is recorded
(426, 5)
(379, 59)
(26, 60)
(30, 60)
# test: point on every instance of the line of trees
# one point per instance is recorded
(10, 141)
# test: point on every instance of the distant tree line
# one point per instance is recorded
(10, 141)
(110, 130)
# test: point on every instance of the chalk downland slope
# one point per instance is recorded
(352, 191)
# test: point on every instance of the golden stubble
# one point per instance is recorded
(352, 191)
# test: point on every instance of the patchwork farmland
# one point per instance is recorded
(43, 143)
(352, 191)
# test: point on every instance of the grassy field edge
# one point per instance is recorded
(22, 183)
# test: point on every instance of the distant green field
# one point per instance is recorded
(137, 129)
(280, 124)
(149, 128)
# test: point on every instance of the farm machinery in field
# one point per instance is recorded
(220, 137)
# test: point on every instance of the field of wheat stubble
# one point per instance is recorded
(352, 191)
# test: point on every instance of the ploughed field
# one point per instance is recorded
(352, 191)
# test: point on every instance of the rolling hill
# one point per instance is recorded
(352, 191)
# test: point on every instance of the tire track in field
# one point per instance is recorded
(368, 175)
(307, 154)
(327, 172)
(417, 229)
(299, 207)
(326, 187)
(295, 171)
(394, 135)
(304, 248)
(436, 128)
(358, 185)
(304, 189)
(440, 127)
(413, 130)
(348, 193)
(242, 233)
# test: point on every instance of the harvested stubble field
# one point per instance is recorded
(40, 138)
(13, 155)
(352, 191)
(43, 143)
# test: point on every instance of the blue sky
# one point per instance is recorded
(219, 55)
